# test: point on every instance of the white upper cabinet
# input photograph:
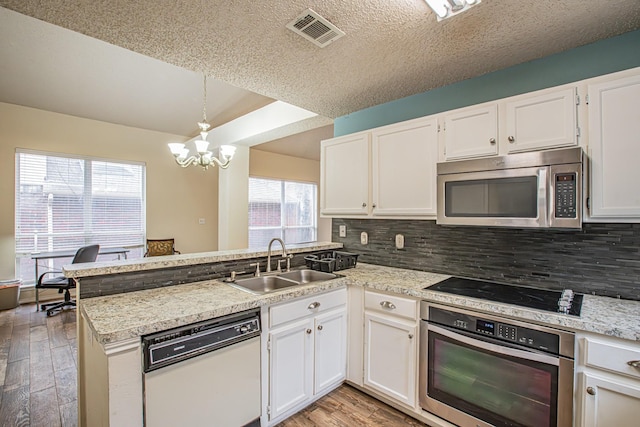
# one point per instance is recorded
(393, 176)
(404, 168)
(344, 175)
(534, 121)
(471, 132)
(614, 148)
(542, 121)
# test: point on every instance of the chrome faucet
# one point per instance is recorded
(284, 253)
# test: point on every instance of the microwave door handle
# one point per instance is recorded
(521, 354)
(544, 190)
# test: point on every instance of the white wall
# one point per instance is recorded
(176, 197)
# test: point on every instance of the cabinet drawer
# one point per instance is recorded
(391, 304)
(612, 357)
(282, 313)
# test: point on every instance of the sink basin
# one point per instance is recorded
(307, 276)
(264, 284)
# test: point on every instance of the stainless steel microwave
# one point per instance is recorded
(540, 189)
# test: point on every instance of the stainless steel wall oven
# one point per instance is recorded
(480, 370)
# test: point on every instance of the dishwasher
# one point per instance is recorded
(204, 374)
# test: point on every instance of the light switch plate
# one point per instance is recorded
(364, 238)
(201, 221)
(343, 231)
(399, 241)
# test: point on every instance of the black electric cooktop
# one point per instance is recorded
(541, 299)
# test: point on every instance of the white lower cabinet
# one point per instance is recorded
(307, 344)
(608, 386)
(390, 346)
(609, 401)
(291, 366)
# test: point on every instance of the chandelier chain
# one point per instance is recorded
(204, 105)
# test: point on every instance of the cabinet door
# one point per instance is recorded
(403, 168)
(291, 366)
(471, 132)
(614, 126)
(330, 349)
(542, 121)
(607, 402)
(390, 357)
(344, 175)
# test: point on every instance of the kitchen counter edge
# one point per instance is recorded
(88, 269)
(125, 316)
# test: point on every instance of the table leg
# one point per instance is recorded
(37, 300)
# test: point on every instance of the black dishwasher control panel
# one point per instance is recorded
(174, 345)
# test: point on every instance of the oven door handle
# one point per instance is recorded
(507, 351)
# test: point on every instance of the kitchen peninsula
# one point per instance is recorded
(109, 346)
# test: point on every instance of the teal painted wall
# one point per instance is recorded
(602, 57)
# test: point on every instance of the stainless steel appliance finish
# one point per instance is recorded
(534, 190)
(204, 374)
(480, 370)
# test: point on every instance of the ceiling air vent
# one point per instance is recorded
(315, 28)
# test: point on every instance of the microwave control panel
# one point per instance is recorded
(565, 195)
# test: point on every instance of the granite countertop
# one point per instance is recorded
(128, 265)
(125, 316)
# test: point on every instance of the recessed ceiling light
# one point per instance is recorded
(447, 8)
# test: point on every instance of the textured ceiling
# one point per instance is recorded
(392, 49)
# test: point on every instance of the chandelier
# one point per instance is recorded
(203, 157)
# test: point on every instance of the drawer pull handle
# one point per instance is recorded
(309, 331)
(313, 305)
(319, 327)
(388, 304)
(634, 363)
(591, 391)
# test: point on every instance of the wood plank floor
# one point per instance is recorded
(348, 407)
(38, 364)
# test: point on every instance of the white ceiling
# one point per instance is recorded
(141, 64)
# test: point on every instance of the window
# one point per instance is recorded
(63, 203)
(281, 209)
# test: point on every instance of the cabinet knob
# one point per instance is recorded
(374, 206)
(313, 305)
(634, 363)
(410, 336)
(309, 331)
(388, 304)
(364, 205)
(492, 141)
(511, 138)
(591, 391)
(319, 327)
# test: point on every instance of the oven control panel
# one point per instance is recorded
(503, 331)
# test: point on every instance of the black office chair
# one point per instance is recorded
(63, 284)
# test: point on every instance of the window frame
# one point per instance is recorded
(282, 226)
(88, 190)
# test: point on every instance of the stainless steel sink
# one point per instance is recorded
(307, 276)
(262, 285)
(265, 284)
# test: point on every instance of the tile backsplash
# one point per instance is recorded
(603, 259)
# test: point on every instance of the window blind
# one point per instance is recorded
(63, 203)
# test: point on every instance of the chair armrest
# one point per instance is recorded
(39, 283)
